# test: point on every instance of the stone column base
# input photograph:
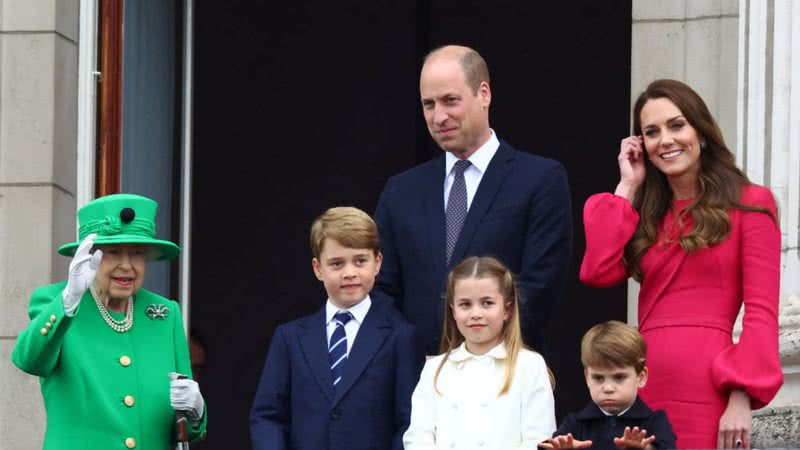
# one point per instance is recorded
(776, 427)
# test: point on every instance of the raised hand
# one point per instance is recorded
(82, 270)
(631, 166)
(634, 438)
(564, 442)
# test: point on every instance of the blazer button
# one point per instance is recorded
(43, 331)
(334, 414)
(53, 318)
(129, 401)
(130, 443)
(125, 361)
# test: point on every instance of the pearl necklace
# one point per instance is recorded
(120, 326)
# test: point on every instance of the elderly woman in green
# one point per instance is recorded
(106, 349)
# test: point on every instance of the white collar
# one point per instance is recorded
(480, 159)
(359, 310)
(608, 414)
(461, 354)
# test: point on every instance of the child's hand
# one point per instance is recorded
(634, 438)
(564, 442)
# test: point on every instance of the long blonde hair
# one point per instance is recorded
(483, 267)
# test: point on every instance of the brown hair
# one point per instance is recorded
(720, 182)
(476, 268)
(471, 62)
(613, 343)
(350, 227)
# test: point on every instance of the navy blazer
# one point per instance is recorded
(521, 214)
(295, 405)
(590, 424)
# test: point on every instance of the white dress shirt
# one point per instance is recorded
(474, 173)
(358, 311)
(469, 414)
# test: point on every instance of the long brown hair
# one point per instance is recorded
(483, 267)
(720, 182)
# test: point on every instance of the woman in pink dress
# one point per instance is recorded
(687, 224)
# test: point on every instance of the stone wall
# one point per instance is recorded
(38, 110)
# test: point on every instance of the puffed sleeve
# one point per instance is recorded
(421, 431)
(38, 346)
(609, 222)
(753, 364)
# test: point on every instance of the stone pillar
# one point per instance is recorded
(38, 110)
(769, 132)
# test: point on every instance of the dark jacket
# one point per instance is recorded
(520, 214)
(296, 407)
(590, 424)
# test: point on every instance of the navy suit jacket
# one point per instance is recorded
(521, 214)
(295, 406)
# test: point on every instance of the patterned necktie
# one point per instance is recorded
(337, 349)
(456, 210)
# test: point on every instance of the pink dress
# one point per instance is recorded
(687, 307)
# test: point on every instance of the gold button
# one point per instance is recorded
(44, 331)
(53, 318)
(125, 361)
(129, 400)
(48, 325)
(130, 442)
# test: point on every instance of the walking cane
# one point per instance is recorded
(181, 426)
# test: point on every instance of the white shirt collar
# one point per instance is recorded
(461, 354)
(480, 159)
(608, 414)
(359, 310)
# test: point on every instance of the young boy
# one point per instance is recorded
(613, 356)
(341, 378)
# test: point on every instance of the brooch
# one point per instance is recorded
(157, 311)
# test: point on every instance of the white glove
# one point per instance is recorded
(82, 271)
(184, 395)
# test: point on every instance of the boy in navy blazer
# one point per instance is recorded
(613, 356)
(341, 378)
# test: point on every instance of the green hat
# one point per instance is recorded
(121, 219)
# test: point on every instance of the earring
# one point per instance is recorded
(702, 145)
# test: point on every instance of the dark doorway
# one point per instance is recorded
(300, 106)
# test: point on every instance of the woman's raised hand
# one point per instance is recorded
(82, 271)
(631, 166)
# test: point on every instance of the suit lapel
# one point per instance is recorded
(496, 174)
(314, 343)
(371, 335)
(434, 213)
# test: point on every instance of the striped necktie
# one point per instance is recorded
(337, 349)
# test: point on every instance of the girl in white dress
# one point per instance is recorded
(486, 390)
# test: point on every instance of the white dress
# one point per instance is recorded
(469, 414)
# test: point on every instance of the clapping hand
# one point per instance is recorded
(634, 438)
(82, 270)
(564, 442)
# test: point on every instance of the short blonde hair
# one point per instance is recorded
(349, 226)
(613, 343)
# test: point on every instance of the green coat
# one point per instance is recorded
(102, 388)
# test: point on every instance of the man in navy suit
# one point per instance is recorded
(341, 378)
(481, 197)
